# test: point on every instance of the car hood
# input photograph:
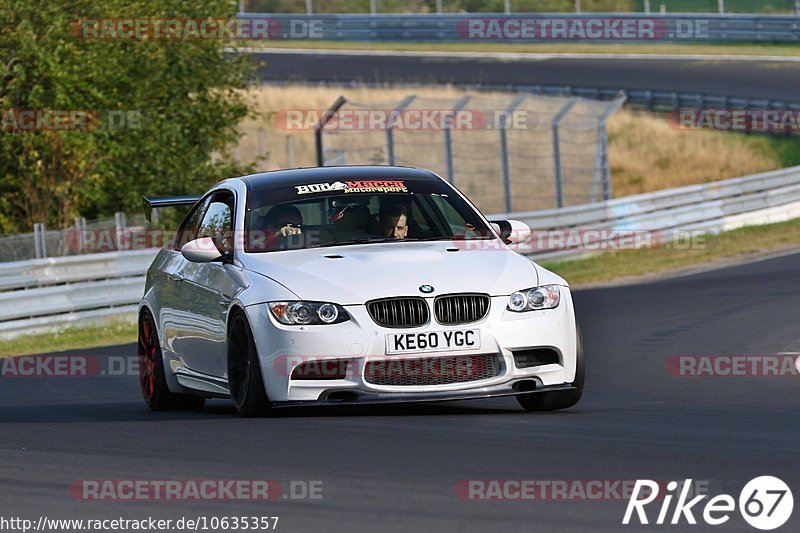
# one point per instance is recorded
(350, 275)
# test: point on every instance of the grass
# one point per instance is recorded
(751, 241)
(71, 338)
(738, 49)
(646, 153)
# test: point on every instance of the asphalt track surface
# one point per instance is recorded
(773, 80)
(395, 468)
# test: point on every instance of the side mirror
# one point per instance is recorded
(201, 251)
(512, 231)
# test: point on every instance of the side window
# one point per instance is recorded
(218, 221)
(191, 225)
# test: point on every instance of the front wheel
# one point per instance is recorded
(550, 401)
(152, 380)
(244, 371)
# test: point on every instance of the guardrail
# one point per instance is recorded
(46, 294)
(527, 27)
(711, 207)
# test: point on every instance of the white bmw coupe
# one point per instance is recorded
(351, 285)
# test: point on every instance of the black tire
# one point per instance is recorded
(152, 380)
(244, 370)
(550, 401)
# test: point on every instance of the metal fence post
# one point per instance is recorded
(507, 6)
(309, 7)
(797, 7)
(321, 126)
(504, 149)
(439, 6)
(557, 149)
(602, 169)
(647, 6)
(80, 227)
(262, 142)
(578, 7)
(721, 5)
(120, 225)
(373, 7)
(390, 127)
(39, 245)
(448, 140)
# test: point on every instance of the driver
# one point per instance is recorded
(284, 220)
(394, 221)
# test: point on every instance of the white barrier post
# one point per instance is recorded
(39, 245)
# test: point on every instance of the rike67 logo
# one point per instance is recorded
(765, 503)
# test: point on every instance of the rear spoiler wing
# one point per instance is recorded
(167, 201)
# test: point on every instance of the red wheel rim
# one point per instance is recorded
(147, 358)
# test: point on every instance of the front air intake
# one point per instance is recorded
(455, 309)
(399, 312)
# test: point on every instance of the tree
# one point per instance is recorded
(157, 109)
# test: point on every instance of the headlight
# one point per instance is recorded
(544, 297)
(308, 313)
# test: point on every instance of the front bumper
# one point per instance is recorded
(360, 340)
(366, 397)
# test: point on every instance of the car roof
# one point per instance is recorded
(303, 176)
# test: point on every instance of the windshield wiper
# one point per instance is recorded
(344, 242)
(375, 240)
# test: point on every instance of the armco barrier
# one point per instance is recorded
(528, 27)
(44, 294)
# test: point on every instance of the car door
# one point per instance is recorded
(173, 316)
(207, 290)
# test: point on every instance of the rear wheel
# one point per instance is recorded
(550, 401)
(244, 370)
(152, 380)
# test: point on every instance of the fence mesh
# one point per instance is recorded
(518, 152)
(95, 236)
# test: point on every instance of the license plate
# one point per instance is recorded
(433, 341)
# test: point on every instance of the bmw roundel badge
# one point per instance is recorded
(427, 289)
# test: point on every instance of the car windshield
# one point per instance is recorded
(358, 212)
